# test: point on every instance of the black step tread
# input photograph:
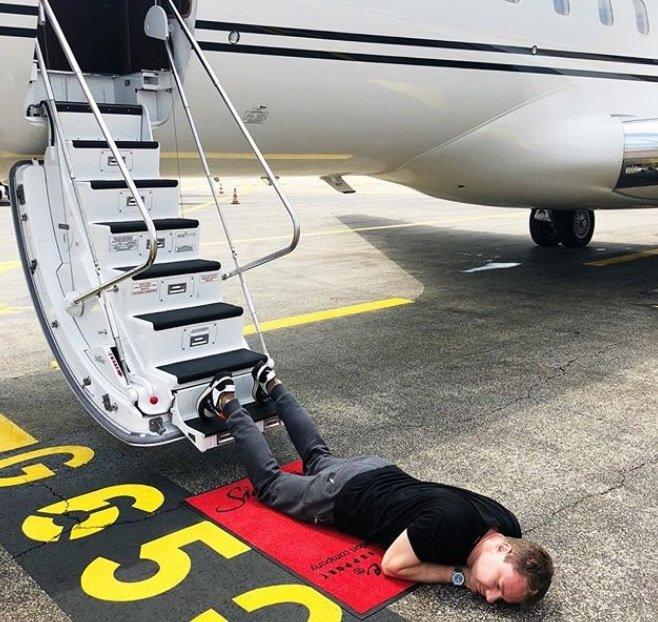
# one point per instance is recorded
(104, 108)
(205, 368)
(175, 268)
(258, 412)
(120, 184)
(121, 144)
(176, 318)
(161, 224)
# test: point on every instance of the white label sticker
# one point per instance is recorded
(185, 242)
(185, 235)
(145, 287)
(121, 243)
(209, 278)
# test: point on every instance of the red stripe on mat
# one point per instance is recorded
(341, 566)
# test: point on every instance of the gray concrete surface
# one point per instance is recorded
(536, 385)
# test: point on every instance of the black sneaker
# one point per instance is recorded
(207, 404)
(262, 374)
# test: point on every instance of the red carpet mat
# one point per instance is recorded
(344, 568)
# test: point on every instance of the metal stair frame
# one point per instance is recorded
(183, 376)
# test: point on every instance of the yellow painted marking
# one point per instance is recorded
(330, 314)
(76, 457)
(12, 437)
(319, 607)
(7, 310)
(326, 232)
(209, 616)
(20, 156)
(602, 263)
(97, 505)
(6, 266)
(198, 208)
(224, 199)
(173, 564)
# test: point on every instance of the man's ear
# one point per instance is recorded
(504, 547)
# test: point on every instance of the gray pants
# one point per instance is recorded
(309, 497)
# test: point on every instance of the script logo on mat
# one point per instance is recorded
(341, 566)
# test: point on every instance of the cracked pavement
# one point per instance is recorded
(535, 385)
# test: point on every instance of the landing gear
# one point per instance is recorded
(542, 229)
(572, 229)
(575, 229)
(4, 194)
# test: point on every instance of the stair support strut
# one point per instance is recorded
(254, 147)
(206, 167)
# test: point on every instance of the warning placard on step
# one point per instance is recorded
(185, 242)
(209, 278)
(121, 243)
(145, 287)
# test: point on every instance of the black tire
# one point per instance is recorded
(575, 229)
(543, 233)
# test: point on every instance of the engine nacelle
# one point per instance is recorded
(639, 174)
(558, 152)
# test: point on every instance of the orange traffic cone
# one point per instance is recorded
(235, 200)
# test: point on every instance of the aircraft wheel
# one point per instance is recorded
(542, 230)
(574, 228)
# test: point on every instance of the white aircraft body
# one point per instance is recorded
(550, 105)
(479, 101)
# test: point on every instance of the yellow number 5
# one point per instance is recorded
(99, 581)
(103, 513)
(78, 456)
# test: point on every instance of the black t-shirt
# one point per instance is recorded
(443, 522)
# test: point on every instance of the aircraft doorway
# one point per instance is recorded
(107, 36)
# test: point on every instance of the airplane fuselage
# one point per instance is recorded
(480, 101)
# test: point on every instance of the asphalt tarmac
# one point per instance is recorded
(532, 383)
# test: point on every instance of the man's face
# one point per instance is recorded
(497, 580)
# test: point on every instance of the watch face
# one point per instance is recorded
(458, 579)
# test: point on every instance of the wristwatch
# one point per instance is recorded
(458, 578)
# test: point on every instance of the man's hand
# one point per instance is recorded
(400, 562)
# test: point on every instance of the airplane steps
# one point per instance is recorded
(138, 356)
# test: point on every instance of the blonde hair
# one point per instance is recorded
(535, 564)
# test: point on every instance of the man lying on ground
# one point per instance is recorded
(434, 533)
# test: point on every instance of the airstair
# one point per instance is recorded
(133, 313)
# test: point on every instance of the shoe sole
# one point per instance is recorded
(204, 395)
(200, 408)
(257, 392)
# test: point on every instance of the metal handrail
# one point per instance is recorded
(252, 143)
(206, 167)
(148, 221)
(51, 108)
